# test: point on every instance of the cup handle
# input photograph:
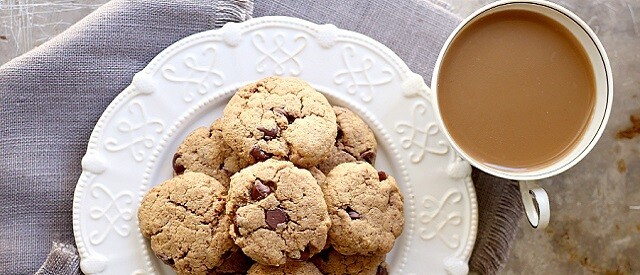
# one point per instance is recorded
(536, 204)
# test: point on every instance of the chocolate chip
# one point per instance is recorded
(269, 134)
(178, 168)
(340, 133)
(226, 255)
(165, 259)
(235, 227)
(260, 190)
(382, 175)
(352, 213)
(324, 254)
(280, 111)
(368, 156)
(275, 217)
(304, 255)
(258, 154)
(286, 114)
(382, 270)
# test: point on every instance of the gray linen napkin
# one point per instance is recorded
(51, 97)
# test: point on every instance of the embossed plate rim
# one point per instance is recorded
(230, 36)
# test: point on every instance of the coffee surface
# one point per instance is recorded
(516, 90)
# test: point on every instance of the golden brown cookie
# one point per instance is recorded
(278, 212)
(281, 118)
(330, 262)
(355, 141)
(291, 268)
(184, 219)
(365, 207)
(204, 151)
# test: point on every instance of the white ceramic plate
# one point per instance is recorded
(188, 85)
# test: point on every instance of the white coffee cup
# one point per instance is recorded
(534, 198)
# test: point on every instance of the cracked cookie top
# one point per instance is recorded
(365, 207)
(281, 118)
(204, 150)
(298, 268)
(330, 262)
(184, 219)
(354, 141)
(278, 213)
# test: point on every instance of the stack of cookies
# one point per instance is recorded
(283, 183)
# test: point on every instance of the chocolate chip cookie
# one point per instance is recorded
(365, 207)
(297, 268)
(281, 118)
(278, 212)
(330, 262)
(185, 221)
(354, 141)
(204, 151)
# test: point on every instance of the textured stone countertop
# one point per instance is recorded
(595, 222)
(595, 225)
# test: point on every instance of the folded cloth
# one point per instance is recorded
(63, 259)
(52, 97)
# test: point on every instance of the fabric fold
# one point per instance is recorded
(232, 11)
(62, 259)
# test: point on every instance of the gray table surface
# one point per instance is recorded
(595, 226)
